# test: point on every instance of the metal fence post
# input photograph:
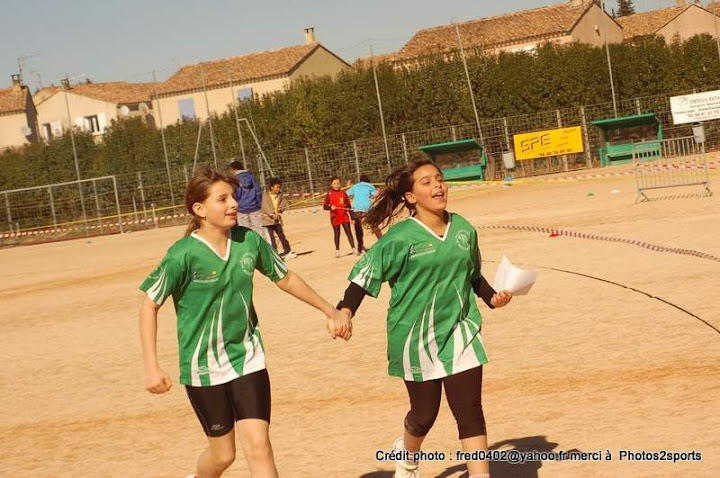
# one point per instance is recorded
(507, 134)
(357, 161)
(142, 194)
(588, 153)
(404, 145)
(9, 215)
(117, 204)
(52, 207)
(187, 178)
(262, 172)
(154, 216)
(137, 219)
(637, 106)
(454, 133)
(309, 173)
(97, 205)
(560, 125)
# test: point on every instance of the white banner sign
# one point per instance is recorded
(697, 107)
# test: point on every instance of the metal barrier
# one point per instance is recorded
(680, 162)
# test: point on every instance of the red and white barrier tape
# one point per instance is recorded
(595, 237)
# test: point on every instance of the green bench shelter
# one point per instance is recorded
(462, 160)
(620, 136)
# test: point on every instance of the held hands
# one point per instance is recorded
(339, 325)
(157, 381)
(501, 299)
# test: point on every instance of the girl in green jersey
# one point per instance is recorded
(209, 274)
(432, 263)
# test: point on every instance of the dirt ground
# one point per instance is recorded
(578, 364)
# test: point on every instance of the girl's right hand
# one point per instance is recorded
(332, 208)
(157, 381)
(339, 325)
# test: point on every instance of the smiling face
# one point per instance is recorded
(335, 184)
(219, 210)
(429, 191)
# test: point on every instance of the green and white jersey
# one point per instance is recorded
(218, 335)
(433, 323)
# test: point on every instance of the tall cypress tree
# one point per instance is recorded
(625, 7)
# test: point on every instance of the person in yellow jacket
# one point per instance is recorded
(274, 204)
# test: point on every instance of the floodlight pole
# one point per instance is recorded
(470, 89)
(237, 118)
(382, 119)
(609, 62)
(162, 136)
(207, 108)
(717, 36)
(257, 143)
(65, 82)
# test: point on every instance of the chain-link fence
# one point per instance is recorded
(150, 198)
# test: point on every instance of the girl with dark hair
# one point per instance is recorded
(209, 274)
(338, 203)
(432, 263)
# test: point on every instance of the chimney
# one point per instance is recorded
(680, 3)
(310, 35)
(16, 82)
(577, 3)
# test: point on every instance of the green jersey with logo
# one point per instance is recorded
(218, 335)
(433, 323)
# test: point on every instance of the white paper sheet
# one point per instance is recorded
(513, 279)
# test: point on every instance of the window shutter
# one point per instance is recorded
(102, 122)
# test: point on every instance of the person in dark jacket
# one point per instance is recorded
(249, 198)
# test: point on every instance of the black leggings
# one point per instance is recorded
(336, 231)
(218, 407)
(463, 391)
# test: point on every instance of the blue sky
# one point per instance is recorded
(109, 40)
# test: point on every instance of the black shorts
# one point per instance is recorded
(218, 407)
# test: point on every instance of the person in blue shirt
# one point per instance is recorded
(249, 198)
(362, 195)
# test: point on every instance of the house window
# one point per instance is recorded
(47, 131)
(91, 124)
(187, 109)
(245, 94)
(56, 128)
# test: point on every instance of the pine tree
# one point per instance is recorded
(625, 7)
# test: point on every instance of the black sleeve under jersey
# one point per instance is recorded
(354, 295)
(484, 290)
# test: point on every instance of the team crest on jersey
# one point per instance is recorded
(462, 239)
(247, 263)
(202, 278)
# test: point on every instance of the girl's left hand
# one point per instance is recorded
(501, 299)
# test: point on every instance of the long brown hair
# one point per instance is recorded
(198, 190)
(385, 207)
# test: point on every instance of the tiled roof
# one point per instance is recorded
(364, 62)
(544, 22)
(650, 22)
(240, 68)
(116, 92)
(13, 101)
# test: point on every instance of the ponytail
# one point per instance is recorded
(391, 200)
(193, 226)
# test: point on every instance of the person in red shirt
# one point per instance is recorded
(338, 203)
